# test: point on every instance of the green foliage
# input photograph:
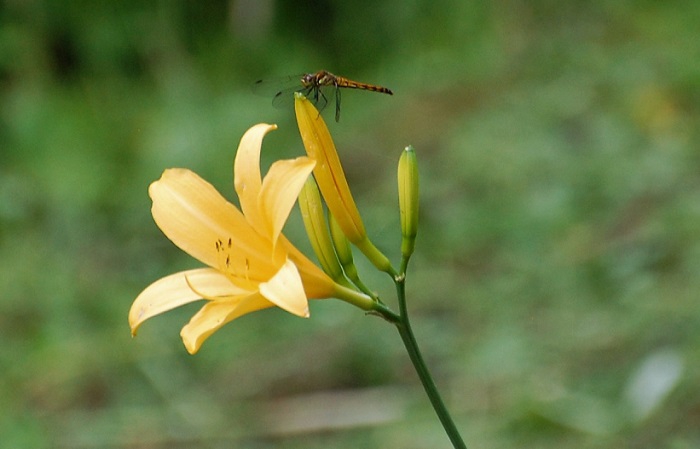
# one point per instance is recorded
(556, 263)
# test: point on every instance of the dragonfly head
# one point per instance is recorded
(308, 79)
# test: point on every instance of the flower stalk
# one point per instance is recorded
(403, 325)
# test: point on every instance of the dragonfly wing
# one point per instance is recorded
(270, 87)
(285, 98)
(282, 92)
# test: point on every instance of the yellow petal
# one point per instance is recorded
(215, 314)
(219, 286)
(328, 171)
(246, 171)
(280, 190)
(173, 291)
(194, 216)
(286, 290)
(317, 284)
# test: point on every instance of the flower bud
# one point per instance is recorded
(342, 249)
(332, 182)
(317, 229)
(328, 171)
(408, 200)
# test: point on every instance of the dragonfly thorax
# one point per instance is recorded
(319, 79)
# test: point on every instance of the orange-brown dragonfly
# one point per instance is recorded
(316, 87)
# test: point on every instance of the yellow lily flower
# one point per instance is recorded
(251, 265)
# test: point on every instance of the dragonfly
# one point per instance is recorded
(317, 87)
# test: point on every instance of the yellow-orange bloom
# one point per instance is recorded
(251, 265)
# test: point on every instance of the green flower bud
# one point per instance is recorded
(408, 200)
(317, 230)
(342, 249)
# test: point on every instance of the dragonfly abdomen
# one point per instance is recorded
(350, 84)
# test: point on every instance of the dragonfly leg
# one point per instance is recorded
(337, 104)
(323, 101)
(314, 94)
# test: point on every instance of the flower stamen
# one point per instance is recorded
(229, 267)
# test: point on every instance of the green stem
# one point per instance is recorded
(404, 327)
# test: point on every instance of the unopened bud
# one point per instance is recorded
(408, 200)
(317, 229)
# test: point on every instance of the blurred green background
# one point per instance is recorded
(555, 286)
